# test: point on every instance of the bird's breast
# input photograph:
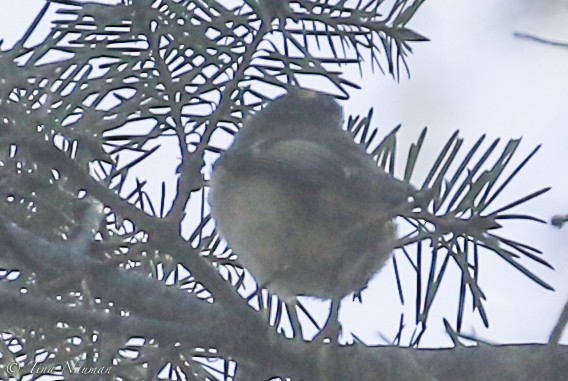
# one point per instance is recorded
(284, 234)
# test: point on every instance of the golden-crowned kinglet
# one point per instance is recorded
(306, 210)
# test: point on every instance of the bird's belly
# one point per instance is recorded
(269, 220)
(292, 247)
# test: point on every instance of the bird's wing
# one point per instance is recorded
(341, 165)
(303, 159)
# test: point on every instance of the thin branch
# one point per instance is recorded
(541, 40)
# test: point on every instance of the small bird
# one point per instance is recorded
(304, 207)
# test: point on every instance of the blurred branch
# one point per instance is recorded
(559, 327)
(559, 220)
(280, 357)
(540, 40)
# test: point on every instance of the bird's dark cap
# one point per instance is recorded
(305, 107)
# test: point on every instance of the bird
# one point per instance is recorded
(307, 210)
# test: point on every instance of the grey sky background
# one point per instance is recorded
(476, 77)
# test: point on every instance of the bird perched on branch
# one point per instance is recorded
(304, 207)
